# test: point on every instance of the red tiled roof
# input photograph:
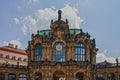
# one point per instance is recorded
(15, 50)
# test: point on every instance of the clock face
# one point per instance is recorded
(59, 47)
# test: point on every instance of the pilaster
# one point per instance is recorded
(6, 76)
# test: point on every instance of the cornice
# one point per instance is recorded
(14, 51)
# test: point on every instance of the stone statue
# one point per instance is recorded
(59, 15)
(116, 61)
(66, 21)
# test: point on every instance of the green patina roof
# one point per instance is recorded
(45, 31)
(77, 31)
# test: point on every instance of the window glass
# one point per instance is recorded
(100, 77)
(1, 76)
(59, 52)
(1, 55)
(11, 76)
(22, 77)
(79, 76)
(38, 53)
(38, 78)
(80, 52)
(111, 76)
(19, 59)
(7, 57)
(24, 60)
(14, 58)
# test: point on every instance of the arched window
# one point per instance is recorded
(2, 76)
(14, 58)
(79, 76)
(38, 76)
(19, 58)
(1, 55)
(80, 52)
(111, 76)
(100, 77)
(59, 52)
(38, 52)
(22, 77)
(7, 57)
(11, 76)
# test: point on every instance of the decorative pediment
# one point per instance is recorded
(59, 25)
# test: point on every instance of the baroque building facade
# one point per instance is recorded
(61, 53)
(58, 53)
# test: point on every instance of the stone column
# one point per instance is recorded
(86, 77)
(43, 51)
(116, 76)
(87, 53)
(67, 76)
(73, 52)
(32, 58)
(68, 52)
(44, 76)
(105, 76)
(6, 76)
(50, 75)
(50, 54)
(17, 76)
(91, 76)
(32, 77)
(94, 56)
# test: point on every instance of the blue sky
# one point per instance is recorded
(101, 18)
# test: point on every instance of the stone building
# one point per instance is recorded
(108, 71)
(61, 53)
(13, 63)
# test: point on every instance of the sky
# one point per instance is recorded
(100, 18)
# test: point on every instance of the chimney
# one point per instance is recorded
(16, 46)
(10, 45)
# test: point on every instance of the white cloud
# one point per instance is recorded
(101, 57)
(43, 17)
(29, 25)
(33, 2)
(71, 14)
(24, 30)
(16, 20)
(14, 42)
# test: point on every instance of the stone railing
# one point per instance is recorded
(108, 65)
(67, 63)
(12, 66)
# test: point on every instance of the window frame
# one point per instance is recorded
(2, 76)
(14, 58)
(11, 76)
(38, 52)
(24, 59)
(7, 56)
(22, 77)
(80, 52)
(59, 56)
(1, 55)
(19, 59)
(111, 76)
